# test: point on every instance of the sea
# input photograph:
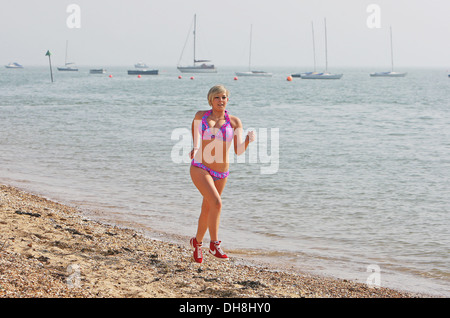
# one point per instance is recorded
(347, 178)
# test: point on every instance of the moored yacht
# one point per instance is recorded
(13, 65)
(195, 68)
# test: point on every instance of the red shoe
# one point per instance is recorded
(216, 250)
(198, 255)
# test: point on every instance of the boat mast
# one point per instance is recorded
(250, 49)
(326, 48)
(195, 29)
(314, 45)
(65, 59)
(392, 52)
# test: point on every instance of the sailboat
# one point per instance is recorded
(314, 56)
(250, 72)
(391, 73)
(324, 75)
(14, 65)
(195, 68)
(68, 66)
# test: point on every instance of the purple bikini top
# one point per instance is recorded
(225, 132)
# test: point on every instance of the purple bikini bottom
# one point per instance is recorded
(214, 174)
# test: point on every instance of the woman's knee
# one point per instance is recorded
(212, 203)
(215, 203)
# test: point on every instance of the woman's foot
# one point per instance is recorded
(198, 255)
(216, 251)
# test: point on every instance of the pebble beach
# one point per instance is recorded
(50, 250)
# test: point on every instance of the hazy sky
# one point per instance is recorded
(119, 32)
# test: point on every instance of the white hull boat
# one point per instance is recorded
(326, 74)
(321, 76)
(388, 74)
(13, 65)
(68, 67)
(391, 73)
(254, 73)
(204, 68)
(250, 72)
(195, 68)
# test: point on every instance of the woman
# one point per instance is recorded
(212, 133)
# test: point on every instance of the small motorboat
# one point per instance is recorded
(13, 65)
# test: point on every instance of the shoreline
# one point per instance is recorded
(49, 250)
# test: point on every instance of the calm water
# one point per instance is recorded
(345, 174)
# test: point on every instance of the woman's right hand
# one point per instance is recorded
(193, 152)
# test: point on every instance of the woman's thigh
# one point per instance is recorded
(205, 184)
(220, 185)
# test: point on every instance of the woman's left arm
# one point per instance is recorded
(241, 146)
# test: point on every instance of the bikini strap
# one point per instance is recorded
(227, 118)
(204, 123)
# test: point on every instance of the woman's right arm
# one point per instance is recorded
(196, 138)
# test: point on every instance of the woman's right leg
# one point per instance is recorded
(211, 205)
(210, 221)
(202, 221)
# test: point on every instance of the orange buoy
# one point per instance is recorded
(179, 77)
(110, 76)
(289, 78)
(139, 76)
(192, 77)
(235, 78)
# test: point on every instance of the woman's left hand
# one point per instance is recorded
(251, 136)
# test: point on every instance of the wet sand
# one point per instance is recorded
(51, 250)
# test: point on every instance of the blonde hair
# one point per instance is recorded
(217, 89)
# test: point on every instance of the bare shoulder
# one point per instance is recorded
(235, 122)
(200, 114)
